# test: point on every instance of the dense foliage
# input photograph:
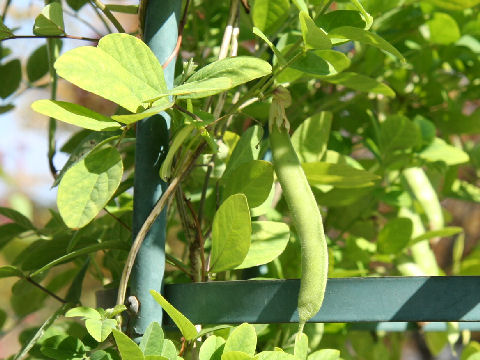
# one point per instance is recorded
(383, 117)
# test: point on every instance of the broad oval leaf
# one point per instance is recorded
(231, 231)
(398, 132)
(338, 175)
(319, 63)
(152, 340)
(85, 312)
(243, 338)
(310, 139)
(443, 28)
(246, 149)
(37, 63)
(127, 347)
(254, 179)
(447, 231)
(100, 329)
(75, 114)
(212, 348)
(395, 236)
(325, 354)
(50, 21)
(201, 88)
(439, 150)
(269, 15)
(88, 185)
(360, 83)
(365, 37)
(187, 329)
(313, 36)
(11, 75)
(110, 71)
(238, 70)
(269, 240)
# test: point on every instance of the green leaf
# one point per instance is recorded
(339, 18)
(439, 150)
(75, 114)
(75, 289)
(212, 348)
(395, 236)
(301, 5)
(5, 32)
(325, 354)
(454, 5)
(37, 64)
(11, 75)
(231, 231)
(61, 347)
(238, 70)
(360, 83)
(236, 355)
(100, 355)
(436, 341)
(127, 347)
(84, 312)
(397, 132)
(269, 15)
(274, 355)
(50, 21)
(254, 179)
(338, 175)
(366, 16)
(275, 50)
(88, 185)
(446, 231)
(159, 106)
(301, 346)
(110, 71)
(343, 33)
(17, 217)
(8, 232)
(321, 63)
(112, 312)
(3, 318)
(187, 329)
(246, 149)
(243, 338)
(310, 139)
(100, 329)
(178, 141)
(443, 29)
(201, 88)
(269, 240)
(169, 351)
(313, 36)
(10, 271)
(76, 4)
(91, 142)
(152, 340)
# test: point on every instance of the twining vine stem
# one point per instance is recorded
(65, 36)
(181, 26)
(157, 209)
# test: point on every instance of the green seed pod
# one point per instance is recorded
(305, 215)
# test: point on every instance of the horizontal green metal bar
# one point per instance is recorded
(382, 299)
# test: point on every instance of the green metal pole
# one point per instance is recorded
(160, 34)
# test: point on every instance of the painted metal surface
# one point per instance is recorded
(160, 34)
(357, 300)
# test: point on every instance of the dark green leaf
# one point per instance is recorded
(11, 75)
(37, 64)
(397, 132)
(17, 218)
(50, 21)
(61, 347)
(10, 271)
(338, 18)
(5, 32)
